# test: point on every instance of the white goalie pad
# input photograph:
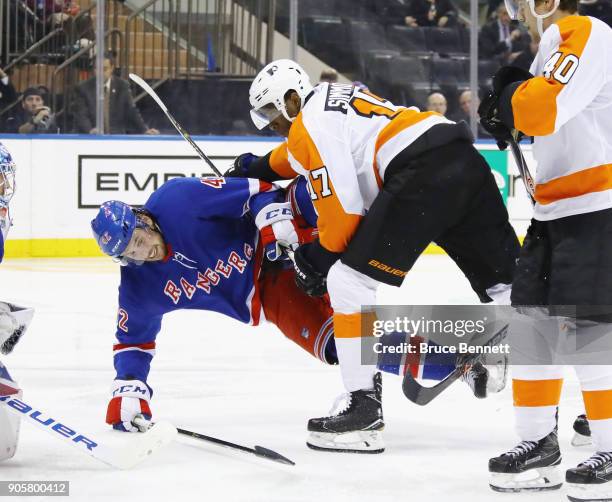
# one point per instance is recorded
(9, 423)
(14, 321)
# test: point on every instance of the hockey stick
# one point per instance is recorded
(258, 451)
(522, 165)
(421, 395)
(135, 450)
(147, 88)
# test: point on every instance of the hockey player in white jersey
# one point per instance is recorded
(13, 319)
(566, 105)
(385, 181)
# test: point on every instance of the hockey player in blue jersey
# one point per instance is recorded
(198, 243)
(13, 319)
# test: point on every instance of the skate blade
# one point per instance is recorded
(348, 442)
(589, 493)
(534, 480)
(581, 440)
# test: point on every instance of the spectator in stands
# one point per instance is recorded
(77, 30)
(391, 11)
(436, 102)
(465, 101)
(33, 117)
(601, 9)
(441, 13)
(329, 75)
(501, 38)
(120, 113)
(8, 95)
(525, 57)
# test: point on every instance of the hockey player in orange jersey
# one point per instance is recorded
(385, 181)
(566, 105)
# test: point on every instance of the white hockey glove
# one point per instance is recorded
(130, 399)
(14, 321)
(277, 228)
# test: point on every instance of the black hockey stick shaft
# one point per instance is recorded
(147, 88)
(519, 158)
(422, 395)
(259, 451)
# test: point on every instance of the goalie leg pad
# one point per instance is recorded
(9, 423)
(14, 321)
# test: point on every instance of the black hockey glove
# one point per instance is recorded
(312, 263)
(495, 109)
(240, 168)
(488, 113)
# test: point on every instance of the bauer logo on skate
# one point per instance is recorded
(49, 422)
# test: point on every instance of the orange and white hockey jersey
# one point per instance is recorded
(342, 142)
(568, 108)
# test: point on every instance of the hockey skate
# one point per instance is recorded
(582, 431)
(591, 480)
(530, 466)
(356, 428)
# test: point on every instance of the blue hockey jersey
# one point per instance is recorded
(212, 263)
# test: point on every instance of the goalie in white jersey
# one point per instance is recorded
(14, 320)
(566, 259)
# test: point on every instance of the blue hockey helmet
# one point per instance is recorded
(7, 176)
(113, 227)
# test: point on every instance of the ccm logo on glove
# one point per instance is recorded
(279, 213)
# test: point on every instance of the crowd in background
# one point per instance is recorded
(500, 40)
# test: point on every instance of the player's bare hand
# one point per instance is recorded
(152, 131)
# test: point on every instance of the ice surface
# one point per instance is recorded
(246, 385)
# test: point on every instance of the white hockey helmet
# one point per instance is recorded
(267, 92)
(514, 7)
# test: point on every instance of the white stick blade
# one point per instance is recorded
(145, 445)
(147, 88)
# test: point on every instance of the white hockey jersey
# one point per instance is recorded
(342, 142)
(567, 107)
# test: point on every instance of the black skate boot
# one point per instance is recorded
(356, 428)
(582, 431)
(591, 480)
(530, 466)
